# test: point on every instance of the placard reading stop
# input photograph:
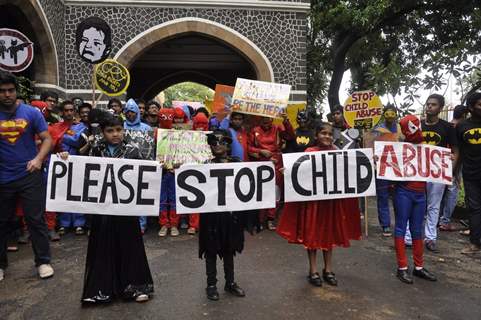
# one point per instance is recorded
(363, 109)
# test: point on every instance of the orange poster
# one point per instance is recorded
(222, 100)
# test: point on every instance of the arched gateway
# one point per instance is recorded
(166, 42)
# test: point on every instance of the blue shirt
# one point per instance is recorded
(17, 141)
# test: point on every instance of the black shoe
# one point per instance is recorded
(212, 293)
(424, 274)
(404, 276)
(23, 238)
(431, 246)
(315, 279)
(329, 277)
(234, 289)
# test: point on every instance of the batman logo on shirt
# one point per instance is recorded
(473, 136)
(12, 130)
(431, 137)
(303, 140)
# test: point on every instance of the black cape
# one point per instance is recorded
(116, 263)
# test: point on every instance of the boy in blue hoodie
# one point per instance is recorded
(133, 122)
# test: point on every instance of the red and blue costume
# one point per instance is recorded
(410, 204)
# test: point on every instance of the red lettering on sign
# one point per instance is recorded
(435, 163)
(409, 153)
(423, 173)
(389, 149)
(446, 155)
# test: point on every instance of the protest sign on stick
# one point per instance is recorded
(400, 161)
(107, 186)
(260, 98)
(334, 174)
(222, 187)
(176, 147)
(363, 109)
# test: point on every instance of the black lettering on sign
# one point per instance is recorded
(335, 190)
(122, 169)
(144, 185)
(109, 175)
(347, 187)
(199, 196)
(70, 197)
(88, 182)
(363, 183)
(318, 174)
(221, 175)
(261, 180)
(295, 176)
(252, 185)
(56, 175)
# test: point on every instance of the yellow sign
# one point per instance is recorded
(363, 109)
(292, 110)
(112, 78)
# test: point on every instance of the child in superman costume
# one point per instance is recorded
(409, 207)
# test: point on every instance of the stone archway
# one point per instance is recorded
(45, 62)
(230, 38)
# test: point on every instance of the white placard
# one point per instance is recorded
(221, 187)
(106, 186)
(332, 174)
(401, 161)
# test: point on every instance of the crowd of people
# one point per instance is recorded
(117, 265)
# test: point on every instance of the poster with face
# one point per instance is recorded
(93, 40)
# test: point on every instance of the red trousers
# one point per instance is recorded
(169, 218)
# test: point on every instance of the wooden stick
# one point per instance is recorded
(366, 222)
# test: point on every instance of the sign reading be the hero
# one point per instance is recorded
(16, 50)
(104, 186)
(328, 175)
(225, 187)
(400, 161)
(112, 78)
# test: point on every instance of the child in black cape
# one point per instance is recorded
(116, 265)
(222, 233)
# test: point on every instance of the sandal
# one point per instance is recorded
(315, 279)
(465, 232)
(329, 277)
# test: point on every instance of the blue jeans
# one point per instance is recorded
(382, 192)
(410, 207)
(449, 203)
(68, 219)
(143, 223)
(434, 193)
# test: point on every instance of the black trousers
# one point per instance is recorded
(31, 192)
(211, 268)
(472, 190)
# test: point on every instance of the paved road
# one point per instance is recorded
(273, 274)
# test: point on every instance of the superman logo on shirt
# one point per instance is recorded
(12, 130)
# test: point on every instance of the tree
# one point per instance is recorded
(187, 91)
(390, 46)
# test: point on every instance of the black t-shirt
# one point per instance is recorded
(469, 138)
(304, 139)
(441, 134)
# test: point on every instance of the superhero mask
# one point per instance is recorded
(166, 118)
(180, 116)
(40, 105)
(411, 129)
(302, 116)
(200, 122)
(390, 115)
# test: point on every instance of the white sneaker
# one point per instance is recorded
(163, 231)
(45, 271)
(2, 275)
(191, 230)
(174, 232)
(142, 298)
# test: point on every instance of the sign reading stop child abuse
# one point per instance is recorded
(399, 161)
(224, 187)
(106, 186)
(332, 174)
(363, 109)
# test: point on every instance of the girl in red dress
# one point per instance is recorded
(321, 224)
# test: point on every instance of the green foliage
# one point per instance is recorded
(393, 47)
(25, 88)
(460, 201)
(187, 91)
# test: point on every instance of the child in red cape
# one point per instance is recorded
(321, 224)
